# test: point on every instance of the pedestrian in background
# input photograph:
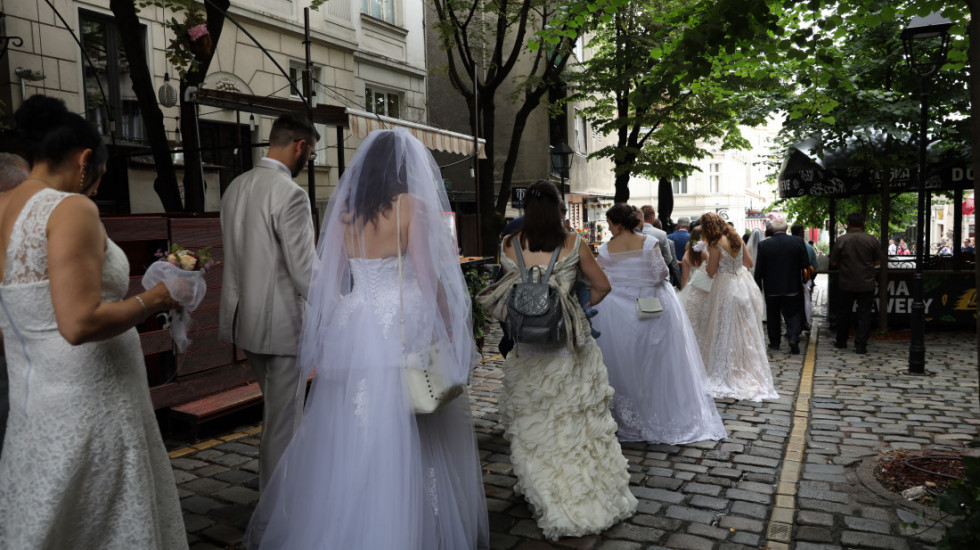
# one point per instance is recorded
(779, 267)
(649, 219)
(855, 256)
(13, 170)
(680, 237)
(808, 281)
(267, 235)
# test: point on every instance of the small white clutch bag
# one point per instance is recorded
(648, 307)
(427, 389)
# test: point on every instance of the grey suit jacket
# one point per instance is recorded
(267, 234)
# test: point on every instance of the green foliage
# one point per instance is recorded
(477, 280)
(813, 211)
(962, 500)
(182, 15)
(670, 78)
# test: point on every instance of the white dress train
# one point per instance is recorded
(654, 364)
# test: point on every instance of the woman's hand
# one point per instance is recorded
(158, 299)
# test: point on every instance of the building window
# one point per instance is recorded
(110, 68)
(714, 177)
(379, 9)
(581, 135)
(381, 102)
(680, 185)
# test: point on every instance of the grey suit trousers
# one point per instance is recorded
(283, 390)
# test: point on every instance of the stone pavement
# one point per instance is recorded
(794, 473)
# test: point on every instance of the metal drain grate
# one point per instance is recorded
(779, 531)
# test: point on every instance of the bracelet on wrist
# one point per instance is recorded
(146, 312)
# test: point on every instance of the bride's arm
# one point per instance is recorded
(714, 258)
(76, 252)
(594, 274)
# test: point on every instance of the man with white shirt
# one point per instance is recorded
(267, 234)
(666, 246)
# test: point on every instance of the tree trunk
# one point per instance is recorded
(165, 184)
(490, 219)
(193, 172)
(531, 102)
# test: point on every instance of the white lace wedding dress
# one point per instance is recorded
(555, 410)
(734, 348)
(654, 364)
(83, 463)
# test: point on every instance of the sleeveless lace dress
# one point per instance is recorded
(694, 300)
(363, 471)
(734, 348)
(654, 364)
(83, 463)
(555, 410)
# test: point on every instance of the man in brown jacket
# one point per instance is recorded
(855, 255)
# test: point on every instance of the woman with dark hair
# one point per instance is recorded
(364, 471)
(83, 463)
(555, 400)
(734, 348)
(654, 363)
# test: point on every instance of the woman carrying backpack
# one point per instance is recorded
(555, 400)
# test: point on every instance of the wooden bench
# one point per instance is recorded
(217, 405)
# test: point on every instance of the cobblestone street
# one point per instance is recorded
(794, 473)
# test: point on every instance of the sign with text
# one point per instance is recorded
(517, 195)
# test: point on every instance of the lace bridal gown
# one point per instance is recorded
(734, 348)
(555, 410)
(654, 364)
(83, 463)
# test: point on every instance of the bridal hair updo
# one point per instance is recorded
(624, 215)
(382, 179)
(52, 134)
(542, 230)
(713, 227)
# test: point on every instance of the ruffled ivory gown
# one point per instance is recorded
(555, 410)
(83, 463)
(654, 364)
(734, 349)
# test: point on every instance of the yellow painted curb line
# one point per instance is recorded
(212, 442)
(779, 533)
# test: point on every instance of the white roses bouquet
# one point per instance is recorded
(182, 272)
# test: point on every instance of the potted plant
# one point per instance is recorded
(477, 280)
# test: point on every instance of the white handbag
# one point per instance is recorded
(426, 388)
(648, 307)
(701, 281)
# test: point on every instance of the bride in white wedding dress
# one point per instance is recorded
(364, 471)
(83, 463)
(555, 401)
(734, 347)
(654, 364)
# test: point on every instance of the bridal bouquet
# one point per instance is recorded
(182, 272)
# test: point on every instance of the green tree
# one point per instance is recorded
(484, 40)
(668, 78)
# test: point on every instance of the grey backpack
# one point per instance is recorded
(534, 314)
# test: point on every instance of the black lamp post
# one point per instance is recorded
(561, 159)
(926, 42)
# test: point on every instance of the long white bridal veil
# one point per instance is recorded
(752, 246)
(363, 471)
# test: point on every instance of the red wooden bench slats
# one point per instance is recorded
(125, 229)
(219, 404)
(195, 386)
(156, 341)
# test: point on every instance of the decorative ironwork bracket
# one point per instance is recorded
(6, 41)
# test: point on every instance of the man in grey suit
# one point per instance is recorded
(267, 234)
(666, 247)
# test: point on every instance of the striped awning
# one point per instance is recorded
(755, 223)
(363, 123)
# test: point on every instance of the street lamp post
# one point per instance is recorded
(926, 41)
(560, 161)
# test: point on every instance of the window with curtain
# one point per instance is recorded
(99, 36)
(382, 102)
(380, 9)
